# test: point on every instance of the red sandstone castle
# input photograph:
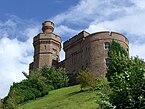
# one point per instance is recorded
(82, 51)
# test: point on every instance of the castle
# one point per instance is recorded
(82, 51)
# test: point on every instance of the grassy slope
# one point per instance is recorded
(64, 98)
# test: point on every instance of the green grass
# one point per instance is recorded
(64, 98)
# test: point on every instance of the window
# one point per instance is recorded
(107, 60)
(45, 47)
(127, 49)
(110, 33)
(107, 45)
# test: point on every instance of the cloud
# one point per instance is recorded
(65, 31)
(137, 50)
(90, 10)
(62, 53)
(15, 54)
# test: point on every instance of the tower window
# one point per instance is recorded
(127, 49)
(107, 45)
(107, 60)
(45, 47)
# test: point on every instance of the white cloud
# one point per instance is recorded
(15, 56)
(65, 31)
(90, 10)
(62, 54)
(137, 50)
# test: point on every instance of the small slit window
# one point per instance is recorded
(107, 60)
(107, 45)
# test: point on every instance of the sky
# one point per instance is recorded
(21, 20)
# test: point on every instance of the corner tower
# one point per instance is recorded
(47, 46)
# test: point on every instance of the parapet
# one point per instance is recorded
(77, 38)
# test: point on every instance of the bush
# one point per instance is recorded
(87, 79)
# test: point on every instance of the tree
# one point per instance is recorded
(126, 79)
(56, 77)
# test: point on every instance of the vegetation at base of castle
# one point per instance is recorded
(126, 80)
(38, 83)
(87, 80)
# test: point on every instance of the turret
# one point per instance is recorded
(47, 27)
(47, 46)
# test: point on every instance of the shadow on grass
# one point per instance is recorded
(74, 93)
(77, 92)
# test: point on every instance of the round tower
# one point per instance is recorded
(95, 50)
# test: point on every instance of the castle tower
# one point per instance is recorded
(47, 46)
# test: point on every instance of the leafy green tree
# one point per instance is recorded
(126, 79)
(56, 77)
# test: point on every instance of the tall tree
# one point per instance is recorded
(127, 79)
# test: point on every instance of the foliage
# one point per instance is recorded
(104, 91)
(126, 79)
(55, 77)
(87, 79)
(38, 83)
(1, 104)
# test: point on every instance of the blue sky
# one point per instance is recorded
(34, 9)
(21, 20)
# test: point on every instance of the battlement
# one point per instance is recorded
(77, 38)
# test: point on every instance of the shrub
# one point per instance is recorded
(87, 79)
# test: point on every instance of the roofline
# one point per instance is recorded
(110, 32)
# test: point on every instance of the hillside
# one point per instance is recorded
(64, 98)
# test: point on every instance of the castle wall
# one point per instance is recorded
(73, 54)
